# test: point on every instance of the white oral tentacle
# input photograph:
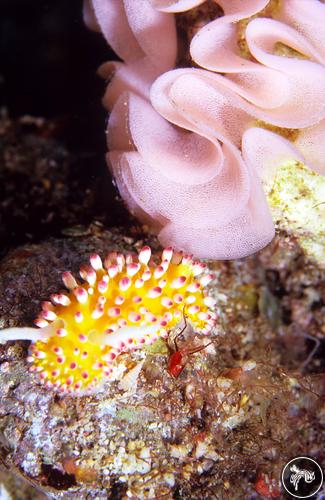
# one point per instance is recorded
(23, 333)
(122, 335)
(27, 333)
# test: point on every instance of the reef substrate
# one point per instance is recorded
(228, 420)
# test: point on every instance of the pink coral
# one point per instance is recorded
(189, 147)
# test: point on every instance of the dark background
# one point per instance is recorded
(48, 63)
(56, 177)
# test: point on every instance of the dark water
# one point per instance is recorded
(48, 64)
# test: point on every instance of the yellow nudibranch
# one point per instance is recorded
(122, 304)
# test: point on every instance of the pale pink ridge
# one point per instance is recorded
(186, 145)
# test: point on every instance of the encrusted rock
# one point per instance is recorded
(147, 434)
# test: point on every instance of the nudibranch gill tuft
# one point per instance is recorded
(123, 303)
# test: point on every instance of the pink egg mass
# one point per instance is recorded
(190, 147)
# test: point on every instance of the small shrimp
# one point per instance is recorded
(179, 358)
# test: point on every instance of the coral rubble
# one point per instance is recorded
(227, 422)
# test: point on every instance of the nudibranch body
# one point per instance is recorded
(122, 304)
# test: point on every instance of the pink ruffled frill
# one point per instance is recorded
(185, 147)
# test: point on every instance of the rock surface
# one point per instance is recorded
(232, 414)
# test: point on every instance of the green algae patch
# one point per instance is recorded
(157, 348)
(297, 201)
